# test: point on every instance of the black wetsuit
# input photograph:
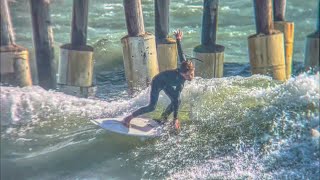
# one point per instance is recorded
(172, 83)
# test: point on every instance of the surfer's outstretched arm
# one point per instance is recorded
(179, 34)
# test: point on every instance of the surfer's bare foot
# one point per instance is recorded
(126, 121)
(176, 124)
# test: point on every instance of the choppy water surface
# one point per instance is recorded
(239, 128)
(106, 26)
(236, 127)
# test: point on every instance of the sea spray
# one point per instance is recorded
(252, 132)
(238, 127)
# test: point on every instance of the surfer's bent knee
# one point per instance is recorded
(176, 101)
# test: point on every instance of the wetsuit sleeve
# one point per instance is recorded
(177, 101)
(180, 52)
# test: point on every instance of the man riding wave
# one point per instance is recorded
(172, 83)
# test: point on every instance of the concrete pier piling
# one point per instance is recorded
(287, 28)
(43, 43)
(209, 52)
(7, 34)
(139, 49)
(14, 59)
(266, 47)
(76, 59)
(166, 47)
(311, 60)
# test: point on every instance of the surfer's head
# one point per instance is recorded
(187, 70)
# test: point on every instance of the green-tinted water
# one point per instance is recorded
(236, 127)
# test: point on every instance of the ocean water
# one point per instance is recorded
(236, 127)
(106, 26)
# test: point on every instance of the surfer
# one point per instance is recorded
(172, 83)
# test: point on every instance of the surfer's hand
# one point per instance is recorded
(178, 34)
(176, 124)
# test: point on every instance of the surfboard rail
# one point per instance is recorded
(141, 127)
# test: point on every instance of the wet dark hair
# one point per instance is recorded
(186, 66)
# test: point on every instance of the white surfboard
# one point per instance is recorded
(142, 127)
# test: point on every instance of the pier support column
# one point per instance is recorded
(166, 47)
(15, 69)
(212, 65)
(312, 52)
(43, 43)
(76, 59)
(287, 28)
(209, 52)
(311, 60)
(14, 59)
(140, 60)
(266, 48)
(267, 55)
(139, 49)
(167, 55)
